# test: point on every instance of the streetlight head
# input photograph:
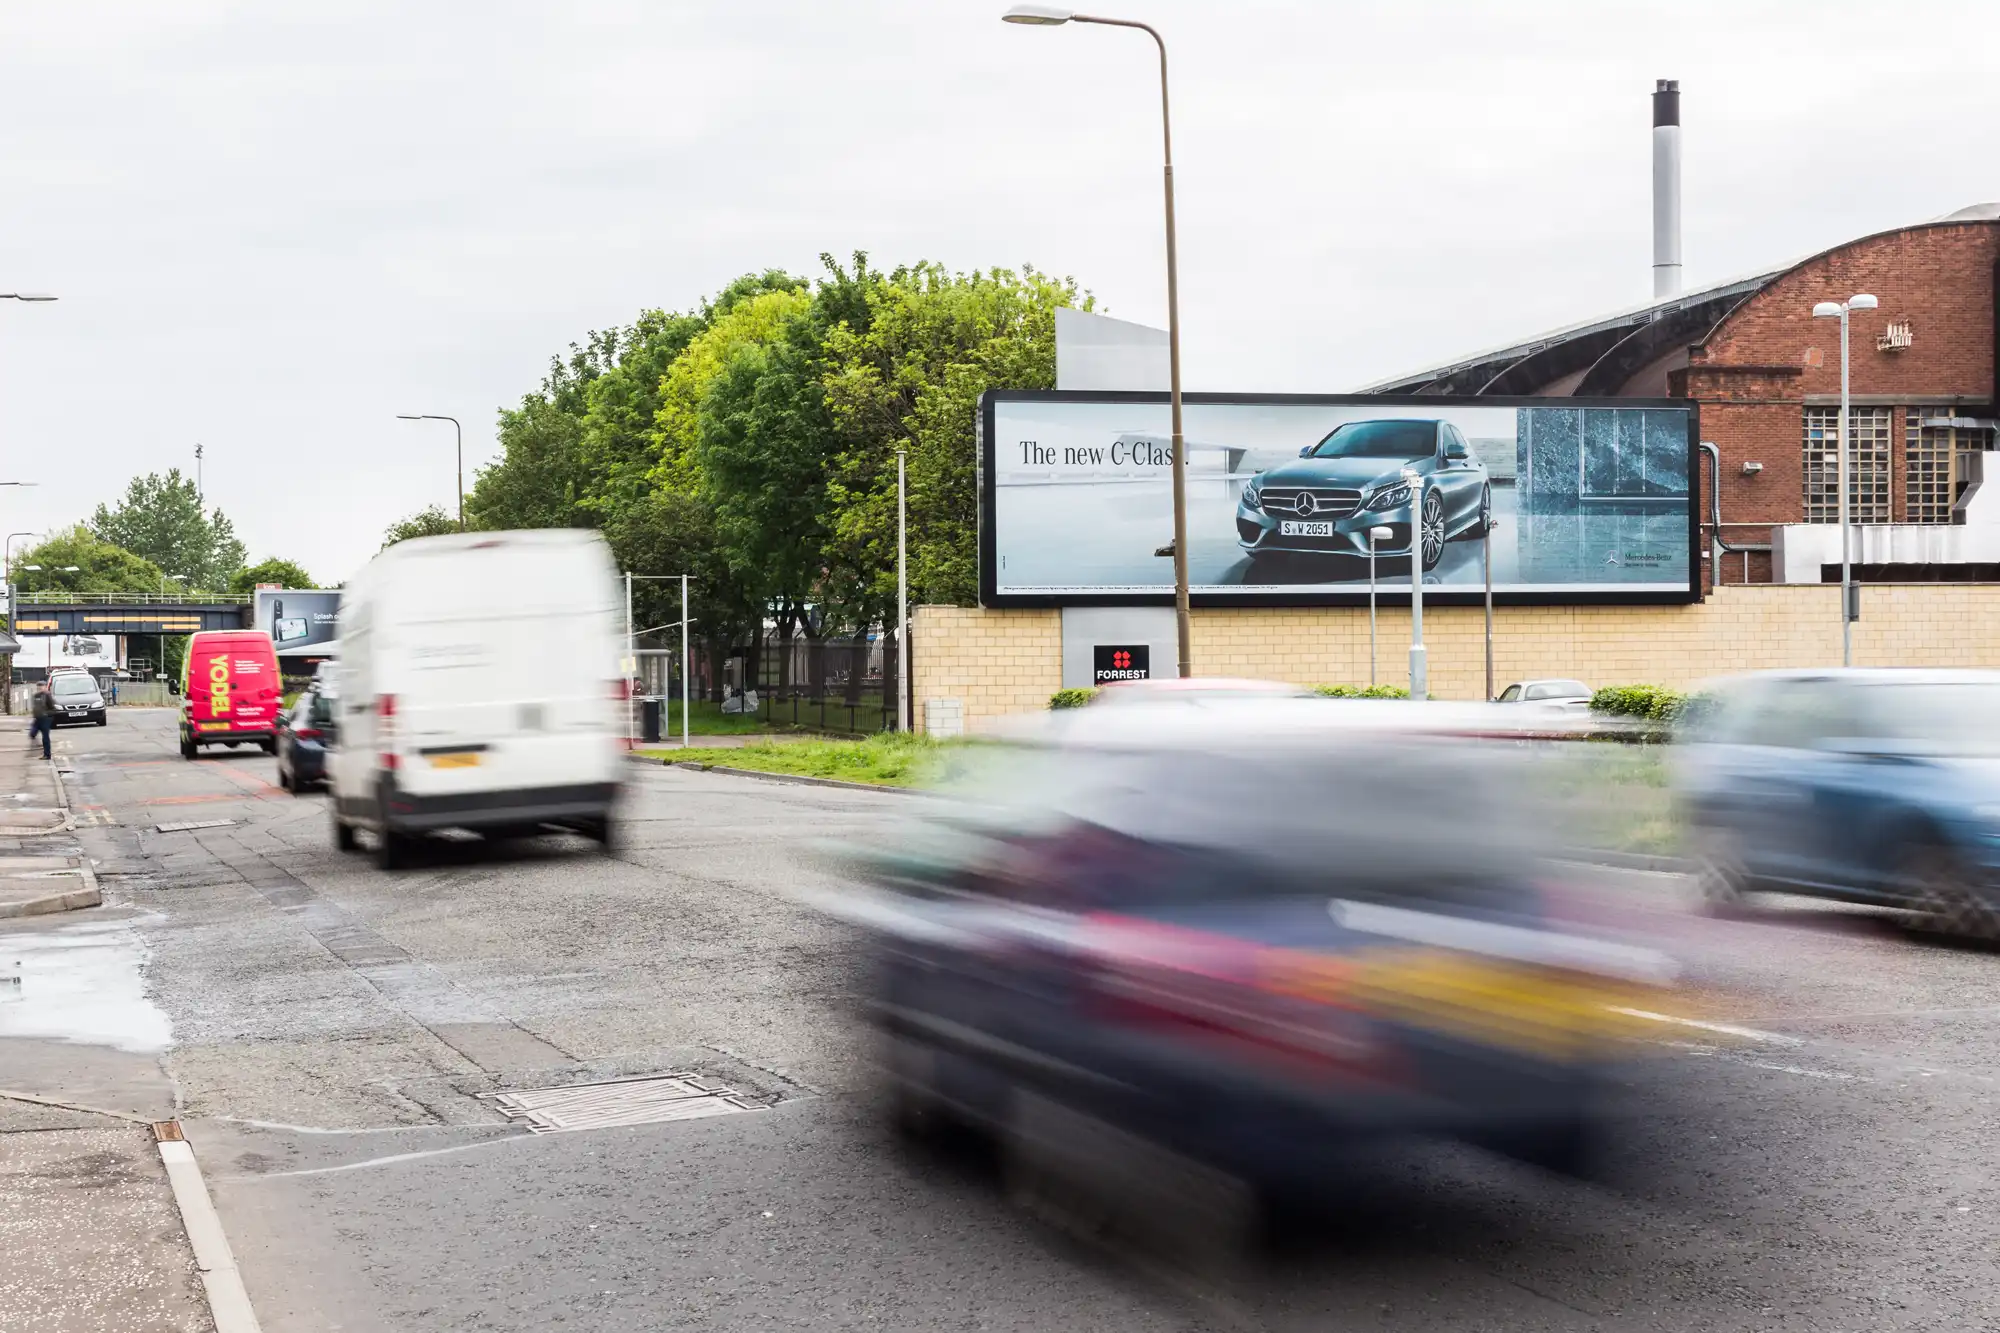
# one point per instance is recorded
(1862, 301)
(25, 296)
(1042, 16)
(72, 569)
(408, 416)
(1828, 310)
(36, 568)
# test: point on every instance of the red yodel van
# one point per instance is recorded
(229, 691)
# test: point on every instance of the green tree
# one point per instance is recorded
(934, 342)
(100, 566)
(428, 522)
(161, 519)
(274, 570)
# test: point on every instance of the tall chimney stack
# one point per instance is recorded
(1666, 188)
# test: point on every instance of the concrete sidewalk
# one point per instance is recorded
(41, 868)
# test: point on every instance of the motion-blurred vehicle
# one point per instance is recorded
(1566, 696)
(305, 730)
(1194, 689)
(1232, 945)
(230, 691)
(480, 689)
(1868, 786)
(1365, 475)
(78, 700)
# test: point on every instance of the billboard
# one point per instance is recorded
(301, 624)
(95, 653)
(1580, 501)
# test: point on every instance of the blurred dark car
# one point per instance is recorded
(1865, 786)
(1226, 946)
(305, 730)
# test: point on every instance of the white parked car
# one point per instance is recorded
(480, 689)
(1555, 696)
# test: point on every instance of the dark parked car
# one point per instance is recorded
(1214, 951)
(78, 699)
(1364, 475)
(304, 732)
(1865, 786)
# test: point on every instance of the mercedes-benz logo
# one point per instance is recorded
(1305, 504)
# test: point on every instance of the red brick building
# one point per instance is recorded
(1922, 376)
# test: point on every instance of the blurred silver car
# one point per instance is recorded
(1566, 696)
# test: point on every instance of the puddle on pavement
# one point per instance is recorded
(80, 983)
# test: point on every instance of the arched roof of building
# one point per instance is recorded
(1598, 357)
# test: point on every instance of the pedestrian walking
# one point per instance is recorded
(44, 721)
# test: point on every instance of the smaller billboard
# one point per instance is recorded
(301, 623)
(97, 653)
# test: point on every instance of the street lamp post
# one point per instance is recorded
(1419, 666)
(1841, 310)
(459, 434)
(1048, 15)
(1374, 535)
(902, 599)
(7, 578)
(1486, 552)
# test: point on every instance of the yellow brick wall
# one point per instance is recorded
(999, 662)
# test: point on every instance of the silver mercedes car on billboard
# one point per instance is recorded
(1368, 474)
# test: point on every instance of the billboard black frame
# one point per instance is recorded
(1387, 593)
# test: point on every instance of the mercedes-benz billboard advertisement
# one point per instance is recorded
(1291, 500)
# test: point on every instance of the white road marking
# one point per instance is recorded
(1722, 1029)
(392, 1159)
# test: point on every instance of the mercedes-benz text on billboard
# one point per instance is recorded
(1287, 497)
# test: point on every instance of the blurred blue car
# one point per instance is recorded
(1867, 786)
(1209, 952)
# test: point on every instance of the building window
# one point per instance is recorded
(1930, 466)
(1868, 463)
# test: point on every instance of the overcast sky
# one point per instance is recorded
(274, 226)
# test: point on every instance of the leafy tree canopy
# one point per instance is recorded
(161, 519)
(428, 522)
(100, 566)
(274, 570)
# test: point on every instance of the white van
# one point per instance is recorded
(480, 689)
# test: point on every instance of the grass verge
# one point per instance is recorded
(890, 759)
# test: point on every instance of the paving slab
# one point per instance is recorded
(90, 1236)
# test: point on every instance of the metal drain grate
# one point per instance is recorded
(632, 1101)
(187, 825)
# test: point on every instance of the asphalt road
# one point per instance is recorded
(337, 1029)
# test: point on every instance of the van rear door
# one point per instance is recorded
(502, 669)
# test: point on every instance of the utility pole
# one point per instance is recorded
(903, 713)
(200, 495)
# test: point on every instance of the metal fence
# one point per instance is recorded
(845, 683)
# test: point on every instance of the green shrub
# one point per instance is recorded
(1073, 698)
(1646, 703)
(1362, 691)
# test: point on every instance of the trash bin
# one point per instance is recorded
(649, 721)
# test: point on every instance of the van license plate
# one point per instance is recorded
(466, 759)
(1291, 529)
